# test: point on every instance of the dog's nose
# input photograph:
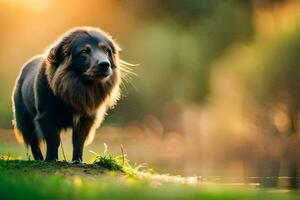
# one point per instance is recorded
(103, 66)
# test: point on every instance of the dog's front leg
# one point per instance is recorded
(81, 129)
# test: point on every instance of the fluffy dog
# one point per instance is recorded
(70, 86)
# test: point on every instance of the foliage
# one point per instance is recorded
(108, 162)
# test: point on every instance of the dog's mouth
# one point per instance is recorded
(98, 75)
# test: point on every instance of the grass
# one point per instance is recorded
(111, 177)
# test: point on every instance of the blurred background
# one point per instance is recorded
(218, 86)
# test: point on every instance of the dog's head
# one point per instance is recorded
(87, 52)
(83, 68)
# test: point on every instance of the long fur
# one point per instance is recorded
(84, 97)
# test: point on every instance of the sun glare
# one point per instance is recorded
(33, 5)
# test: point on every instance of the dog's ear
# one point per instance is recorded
(59, 51)
(55, 55)
(114, 46)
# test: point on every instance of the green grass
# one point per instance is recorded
(113, 178)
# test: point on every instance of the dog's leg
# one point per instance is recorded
(36, 151)
(51, 134)
(27, 128)
(81, 130)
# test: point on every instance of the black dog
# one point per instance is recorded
(71, 86)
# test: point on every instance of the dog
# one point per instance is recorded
(71, 85)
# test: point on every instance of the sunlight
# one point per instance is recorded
(33, 5)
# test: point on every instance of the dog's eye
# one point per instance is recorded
(85, 51)
(106, 51)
